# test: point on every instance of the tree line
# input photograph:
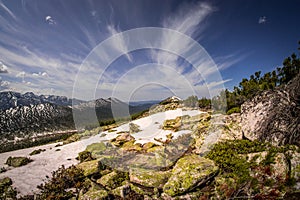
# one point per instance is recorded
(256, 83)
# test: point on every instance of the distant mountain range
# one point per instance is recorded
(29, 115)
(14, 99)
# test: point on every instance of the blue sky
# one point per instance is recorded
(54, 46)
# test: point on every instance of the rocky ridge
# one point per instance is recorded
(232, 168)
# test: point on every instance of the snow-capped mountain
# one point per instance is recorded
(13, 99)
(26, 115)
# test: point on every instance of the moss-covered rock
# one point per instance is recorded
(121, 191)
(85, 156)
(149, 178)
(172, 124)
(122, 139)
(90, 167)
(148, 146)
(132, 146)
(154, 149)
(295, 169)
(189, 172)
(94, 194)
(36, 151)
(96, 148)
(141, 191)
(17, 161)
(113, 179)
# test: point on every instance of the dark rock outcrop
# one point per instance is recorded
(274, 116)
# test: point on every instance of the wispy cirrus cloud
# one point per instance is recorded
(120, 42)
(7, 10)
(43, 58)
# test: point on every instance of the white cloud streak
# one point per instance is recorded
(11, 14)
(120, 42)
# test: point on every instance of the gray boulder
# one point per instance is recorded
(274, 116)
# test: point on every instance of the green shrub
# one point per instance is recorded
(234, 110)
(6, 189)
(61, 182)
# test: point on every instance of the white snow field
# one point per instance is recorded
(26, 178)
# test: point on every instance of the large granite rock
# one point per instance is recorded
(89, 168)
(274, 116)
(188, 173)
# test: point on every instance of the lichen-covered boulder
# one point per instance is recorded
(149, 178)
(148, 146)
(113, 179)
(85, 156)
(94, 194)
(232, 129)
(96, 148)
(122, 139)
(90, 167)
(295, 168)
(122, 191)
(17, 161)
(172, 124)
(132, 146)
(189, 172)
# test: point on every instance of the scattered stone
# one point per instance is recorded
(121, 139)
(134, 128)
(148, 146)
(94, 194)
(37, 151)
(2, 170)
(18, 161)
(103, 135)
(172, 124)
(58, 145)
(132, 146)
